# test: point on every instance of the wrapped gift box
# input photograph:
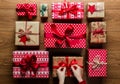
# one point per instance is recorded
(68, 10)
(44, 10)
(27, 33)
(97, 62)
(30, 64)
(60, 35)
(98, 32)
(96, 10)
(27, 9)
(68, 60)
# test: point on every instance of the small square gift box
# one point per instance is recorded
(66, 61)
(27, 9)
(60, 35)
(27, 33)
(96, 10)
(98, 32)
(30, 64)
(97, 63)
(44, 10)
(68, 10)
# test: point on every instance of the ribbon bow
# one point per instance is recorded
(68, 38)
(43, 9)
(27, 9)
(67, 65)
(29, 64)
(96, 62)
(24, 35)
(67, 9)
(98, 31)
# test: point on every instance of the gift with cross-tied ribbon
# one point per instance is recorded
(60, 35)
(27, 33)
(27, 9)
(30, 64)
(96, 10)
(68, 10)
(98, 32)
(66, 61)
(97, 63)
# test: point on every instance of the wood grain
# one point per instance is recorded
(7, 27)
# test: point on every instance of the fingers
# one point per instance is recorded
(61, 69)
(74, 67)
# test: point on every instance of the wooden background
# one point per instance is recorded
(7, 27)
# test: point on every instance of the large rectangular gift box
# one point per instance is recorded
(27, 9)
(98, 32)
(97, 63)
(27, 33)
(30, 64)
(95, 10)
(61, 35)
(59, 61)
(68, 10)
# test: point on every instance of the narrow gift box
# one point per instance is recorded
(44, 10)
(27, 33)
(68, 10)
(30, 64)
(66, 61)
(97, 63)
(27, 9)
(98, 32)
(60, 35)
(95, 10)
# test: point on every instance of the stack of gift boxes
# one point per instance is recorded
(35, 64)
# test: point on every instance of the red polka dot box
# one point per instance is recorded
(27, 9)
(97, 62)
(63, 35)
(30, 64)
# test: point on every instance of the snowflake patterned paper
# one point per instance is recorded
(30, 64)
(68, 10)
(97, 63)
(60, 35)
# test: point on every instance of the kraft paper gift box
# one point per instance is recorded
(97, 63)
(61, 35)
(27, 9)
(59, 61)
(98, 32)
(30, 64)
(95, 10)
(27, 33)
(68, 10)
(44, 10)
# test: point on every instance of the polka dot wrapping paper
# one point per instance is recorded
(60, 35)
(68, 10)
(27, 9)
(97, 63)
(30, 64)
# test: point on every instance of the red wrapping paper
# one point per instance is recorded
(27, 9)
(24, 65)
(97, 63)
(60, 35)
(68, 10)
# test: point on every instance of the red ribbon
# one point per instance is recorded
(67, 37)
(67, 65)
(24, 35)
(67, 9)
(29, 63)
(98, 31)
(27, 9)
(91, 9)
